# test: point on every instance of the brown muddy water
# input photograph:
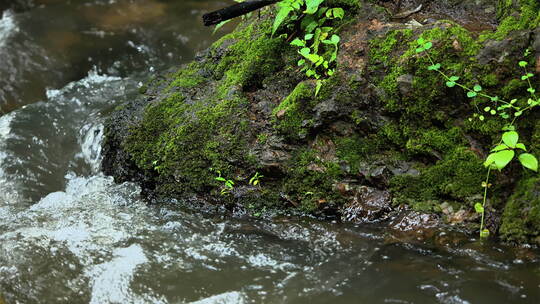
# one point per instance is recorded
(68, 234)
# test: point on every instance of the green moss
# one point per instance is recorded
(515, 15)
(393, 134)
(490, 79)
(427, 86)
(521, 217)
(184, 140)
(513, 89)
(349, 4)
(434, 141)
(355, 149)
(290, 114)
(181, 139)
(187, 77)
(253, 56)
(382, 47)
(309, 181)
(457, 177)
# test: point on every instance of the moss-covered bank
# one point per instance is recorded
(384, 133)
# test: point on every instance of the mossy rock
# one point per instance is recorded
(521, 217)
(243, 107)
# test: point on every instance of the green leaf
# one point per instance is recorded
(510, 138)
(494, 99)
(481, 117)
(518, 113)
(434, 67)
(283, 12)
(471, 94)
(428, 45)
(509, 128)
(337, 12)
(522, 64)
(531, 90)
(298, 42)
(479, 208)
(420, 50)
(521, 146)
(420, 41)
(477, 88)
(221, 179)
(335, 39)
(219, 25)
(492, 112)
(500, 148)
(308, 36)
(305, 52)
(450, 84)
(301, 62)
(499, 159)
(486, 109)
(454, 78)
(528, 161)
(312, 6)
(484, 233)
(318, 87)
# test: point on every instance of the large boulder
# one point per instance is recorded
(384, 125)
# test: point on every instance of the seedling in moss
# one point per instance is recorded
(228, 184)
(256, 179)
(507, 148)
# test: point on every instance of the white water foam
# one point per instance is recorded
(7, 26)
(233, 297)
(111, 280)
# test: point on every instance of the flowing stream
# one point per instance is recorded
(69, 234)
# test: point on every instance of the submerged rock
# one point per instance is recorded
(413, 225)
(383, 131)
(365, 204)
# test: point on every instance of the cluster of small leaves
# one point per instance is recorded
(256, 179)
(228, 184)
(505, 151)
(312, 18)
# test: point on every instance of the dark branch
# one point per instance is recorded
(235, 10)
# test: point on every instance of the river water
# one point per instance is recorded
(68, 234)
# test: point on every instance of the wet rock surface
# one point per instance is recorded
(365, 204)
(414, 225)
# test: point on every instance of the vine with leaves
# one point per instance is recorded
(508, 146)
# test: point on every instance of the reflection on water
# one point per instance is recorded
(68, 234)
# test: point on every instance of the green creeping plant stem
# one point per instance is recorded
(505, 151)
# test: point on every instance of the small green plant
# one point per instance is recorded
(256, 179)
(317, 41)
(262, 138)
(509, 146)
(228, 184)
